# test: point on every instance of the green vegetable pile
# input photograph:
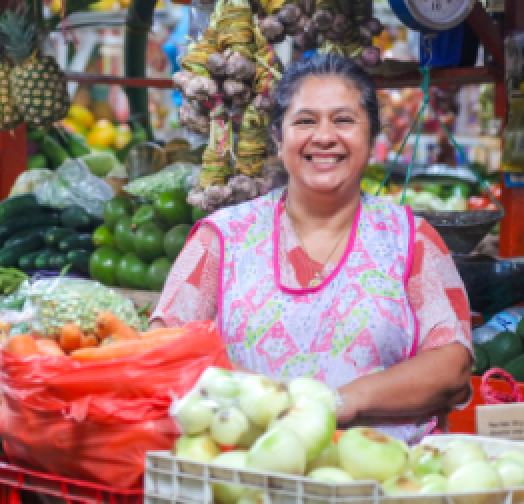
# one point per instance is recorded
(139, 240)
(59, 301)
(34, 237)
(505, 350)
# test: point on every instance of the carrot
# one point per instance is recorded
(108, 324)
(49, 347)
(71, 337)
(21, 345)
(125, 348)
(89, 341)
(155, 333)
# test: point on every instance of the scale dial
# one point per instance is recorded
(432, 15)
(440, 14)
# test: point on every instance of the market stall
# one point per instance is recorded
(99, 199)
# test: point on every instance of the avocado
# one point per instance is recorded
(123, 235)
(515, 368)
(131, 272)
(481, 359)
(114, 209)
(504, 347)
(149, 242)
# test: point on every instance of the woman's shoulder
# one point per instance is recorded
(262, 204)
(425, 232)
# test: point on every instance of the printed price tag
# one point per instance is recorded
(501, 420)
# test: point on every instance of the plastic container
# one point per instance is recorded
(506, 320)
(14, 479)
(463, 421)
(170, 480)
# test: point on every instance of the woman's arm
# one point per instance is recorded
(191, 289)
(431, 381)
(437, 379)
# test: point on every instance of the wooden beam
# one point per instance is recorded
(488, 33)
(463, 76)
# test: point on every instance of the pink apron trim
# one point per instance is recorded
(333, 274)
(220, 301)
(407, 273)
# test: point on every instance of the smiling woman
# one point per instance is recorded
(318, 280)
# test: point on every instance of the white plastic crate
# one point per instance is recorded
(171, 480)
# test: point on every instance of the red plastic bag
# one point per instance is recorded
(96, 420)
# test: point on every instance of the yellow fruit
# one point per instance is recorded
(102, 5)
(81, 115)
(102, 135)
(122, 136)
(73, 126)
(124, 4)
(56, 7)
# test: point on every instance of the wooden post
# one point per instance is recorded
(512, 226)
(13, 158)
(13, 149)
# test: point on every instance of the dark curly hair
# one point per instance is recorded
(328, 65)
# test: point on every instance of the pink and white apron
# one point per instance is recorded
(358, 321)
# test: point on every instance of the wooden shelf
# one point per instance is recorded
(462, 76)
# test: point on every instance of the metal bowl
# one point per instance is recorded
(463, 231)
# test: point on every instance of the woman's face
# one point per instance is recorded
(325, 143)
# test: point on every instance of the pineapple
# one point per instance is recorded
(9, 115)
(38, 86)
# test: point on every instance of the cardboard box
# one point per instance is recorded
(501, 420)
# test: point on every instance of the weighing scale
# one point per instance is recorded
(441, 25)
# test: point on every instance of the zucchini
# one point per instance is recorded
(17, 206)
(27, 261)
(79, 260)
(9, 255)
(42, 261)
(76, 217)
(57, 261)
(82, 241)
(13, 226)
(20, 235)
(54, 235)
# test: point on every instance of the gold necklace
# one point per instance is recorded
(318, 276)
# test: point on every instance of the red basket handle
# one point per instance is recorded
(492, 396)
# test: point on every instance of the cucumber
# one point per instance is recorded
(35, 134)
(82, 241)
(36, 162)
(74, 216)
(53, 151)
(17, 206)
(9, 255)
(54, 235)
(57, 261)
(12, 226)
(27, 261)
(79, 259)
(20, 235)
(42, 261)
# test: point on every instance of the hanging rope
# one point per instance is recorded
(417, 123)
